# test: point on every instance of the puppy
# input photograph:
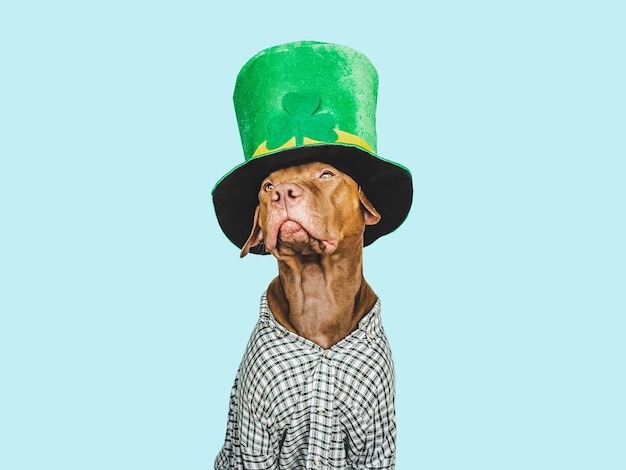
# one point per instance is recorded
(316, 386)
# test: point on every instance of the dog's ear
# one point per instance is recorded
(256, 235)
(372, 217)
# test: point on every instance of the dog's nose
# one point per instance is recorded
(286, 191)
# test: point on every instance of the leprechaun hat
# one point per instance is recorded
(303, 102)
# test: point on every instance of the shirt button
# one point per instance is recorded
(317, 461)
(321, 411)
(327, 354)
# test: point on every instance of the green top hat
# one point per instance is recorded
(302, 102)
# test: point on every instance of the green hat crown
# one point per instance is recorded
(306, 93)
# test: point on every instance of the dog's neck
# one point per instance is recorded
(321, 297)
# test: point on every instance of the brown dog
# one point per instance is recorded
(315, 388)
(312, 217)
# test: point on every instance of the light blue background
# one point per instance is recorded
(125, 311)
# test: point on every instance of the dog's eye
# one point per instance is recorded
(326, 174)
(267, 187)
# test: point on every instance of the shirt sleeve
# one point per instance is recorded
(225, 460)
(248, 442)
(379, 451)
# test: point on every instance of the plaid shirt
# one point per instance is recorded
(297, 406)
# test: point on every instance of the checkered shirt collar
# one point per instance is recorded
(369, 327)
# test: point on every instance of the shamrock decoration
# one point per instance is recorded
(301, 121)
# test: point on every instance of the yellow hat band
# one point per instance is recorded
(342, 138)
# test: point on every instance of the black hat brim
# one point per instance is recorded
(387, 185)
